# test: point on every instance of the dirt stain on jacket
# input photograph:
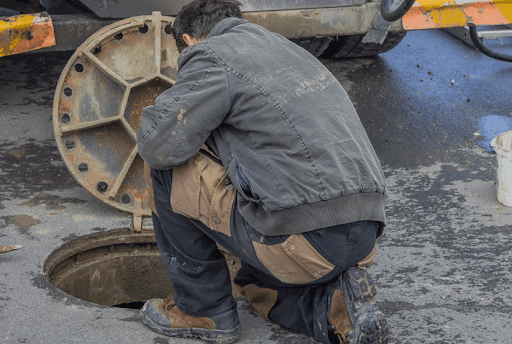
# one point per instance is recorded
(181, 114)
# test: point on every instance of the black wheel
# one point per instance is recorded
(392, 10)
(352, 46)
(315, 45)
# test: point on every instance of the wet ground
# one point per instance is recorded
(443, 270)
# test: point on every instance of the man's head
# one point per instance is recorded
(197, 19)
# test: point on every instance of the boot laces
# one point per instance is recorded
(168, 304)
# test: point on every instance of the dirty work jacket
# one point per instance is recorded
(284, 128)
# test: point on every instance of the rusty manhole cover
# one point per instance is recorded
(103, 88)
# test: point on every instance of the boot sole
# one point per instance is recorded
(370, 326)
(209, 336)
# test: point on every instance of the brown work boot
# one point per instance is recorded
(352, 315)
(163, 316)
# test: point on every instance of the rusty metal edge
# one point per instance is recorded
(9, 248)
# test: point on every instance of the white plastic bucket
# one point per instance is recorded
(502, 144)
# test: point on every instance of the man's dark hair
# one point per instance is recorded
(199, 17)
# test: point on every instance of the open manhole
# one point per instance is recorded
(119, 268)
(115, 268)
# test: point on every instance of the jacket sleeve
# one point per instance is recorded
(173, 130)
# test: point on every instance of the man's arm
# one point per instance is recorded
(173, 130)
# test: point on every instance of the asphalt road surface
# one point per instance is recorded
(443, 270)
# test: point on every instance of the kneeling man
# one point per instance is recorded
(257, 148)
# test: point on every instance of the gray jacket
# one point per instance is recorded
(284, 128)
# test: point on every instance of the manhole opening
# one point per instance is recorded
(118, 268)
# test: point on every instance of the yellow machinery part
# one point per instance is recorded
(25, 32)
(433, 14)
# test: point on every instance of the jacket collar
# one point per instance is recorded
(225, 25)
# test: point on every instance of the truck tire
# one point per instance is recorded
(315, 45)
(344, 47)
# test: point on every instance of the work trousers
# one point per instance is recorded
(288, 279)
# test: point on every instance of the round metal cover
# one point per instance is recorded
(103, 88)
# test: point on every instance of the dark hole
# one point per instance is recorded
(79, 67)
(168, 29)
(68, 91)
(126, 199)
(27, 35)
(83, 167)
(97, 50)
(143, 29)
(65, 118)
(70, 144)
(119, 36)
(102, 186)
(130, 305)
